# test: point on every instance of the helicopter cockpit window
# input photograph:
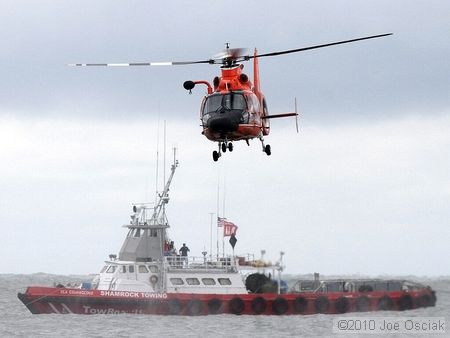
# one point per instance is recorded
(234, 101)
(221, 103)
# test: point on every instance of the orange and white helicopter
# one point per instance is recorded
(234, 108)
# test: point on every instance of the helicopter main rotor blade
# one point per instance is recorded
(140, 64)
(314, 47)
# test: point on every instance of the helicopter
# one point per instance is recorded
(234, 107)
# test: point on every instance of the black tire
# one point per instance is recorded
(322, 304)
(267, 150)
(215, 306)
(362, 304)
(230, 146)
(195, 307)
(236, 306)
(385, 303)
(175, 306)
(342, 305)
(424, 301)
(300, 304)
(259, 305)
(224, 147)
(405, 302)
(215, 156)
(280, 306)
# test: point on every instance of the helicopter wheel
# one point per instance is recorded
(230, 146)
(216, 155)
(267, 150)
(224, 147)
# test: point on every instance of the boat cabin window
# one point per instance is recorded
(111, 269)
(334, 286)
(104, 269)
(224, 281)
(176, 281)
(192, 281)
(394, 286)
(131, 268)
(208, 281)
(153, 268)
(380, 286)
(124, 269)
(153, 233)
(142, 269)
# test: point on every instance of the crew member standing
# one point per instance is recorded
(184, 252)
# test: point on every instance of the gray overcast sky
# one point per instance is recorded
(364, 188)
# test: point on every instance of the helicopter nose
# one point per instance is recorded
(224, 122)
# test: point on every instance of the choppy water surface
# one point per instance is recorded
(17, 321)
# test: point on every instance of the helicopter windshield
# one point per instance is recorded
(230, 101)
(230, 106)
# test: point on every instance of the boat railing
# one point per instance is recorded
(183, 263)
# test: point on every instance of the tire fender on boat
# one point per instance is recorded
(280, 306)
(259, 305)
(405, 302)
(322, 304)
(195, 307)
(424, 301)
(175, 306)
(236, 306)
(300, 304)
(385, 303)
(362, 304)
(215, 306)
(342, 305)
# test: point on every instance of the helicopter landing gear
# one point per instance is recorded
(266, 148)
(216, 155)
(223, 146)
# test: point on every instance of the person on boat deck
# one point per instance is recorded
(184, 252)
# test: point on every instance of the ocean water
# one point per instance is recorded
(17, 321)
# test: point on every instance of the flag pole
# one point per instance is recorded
(211, 236)
(218, 206)
(223, 215)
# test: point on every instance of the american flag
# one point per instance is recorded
(229, 228)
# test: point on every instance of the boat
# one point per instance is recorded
(150, 277)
